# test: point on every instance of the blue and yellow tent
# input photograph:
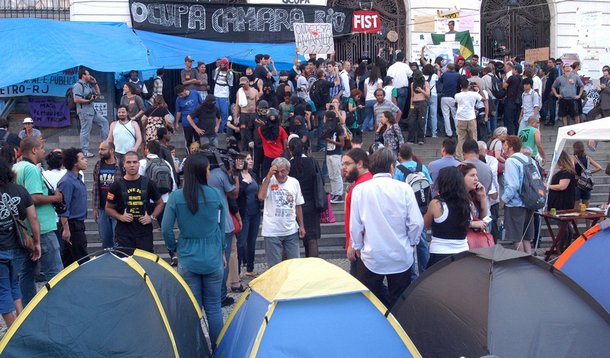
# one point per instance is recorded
(586, 262)
(311, 308)
(136, 306)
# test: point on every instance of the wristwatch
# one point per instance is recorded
(153, 217)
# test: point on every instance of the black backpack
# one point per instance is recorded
(160, 174)
(420, 185)
(533, 190)
(316, 95)
(496, 87)
(149, 84)
(70, 96)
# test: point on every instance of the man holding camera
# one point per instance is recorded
(85, 92)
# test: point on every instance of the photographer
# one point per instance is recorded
(85, 92)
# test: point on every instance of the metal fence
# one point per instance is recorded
(42, 9)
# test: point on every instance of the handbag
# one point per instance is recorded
(584, 182)
(320, 197)
(235, 224)
(327, 216)
(60, 208)
(479, 238)
(23, 237)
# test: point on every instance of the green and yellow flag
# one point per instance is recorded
(463, 37)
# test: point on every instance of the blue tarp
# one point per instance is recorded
(169, 51)
(33, 48)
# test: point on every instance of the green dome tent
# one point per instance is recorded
(110, 306)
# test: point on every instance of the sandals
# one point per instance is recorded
(239, 288)
(251, 274)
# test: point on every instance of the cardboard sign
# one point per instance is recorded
(314, 38)
(48, 113)
(537, 54)
(366, 21)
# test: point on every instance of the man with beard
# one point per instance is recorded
(354, 169)
(209, 121)
(106, 170)
(273, 137)
(124, 133)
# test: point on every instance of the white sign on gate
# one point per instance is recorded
(314, 38)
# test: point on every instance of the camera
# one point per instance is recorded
(90, 96)
(221, 158)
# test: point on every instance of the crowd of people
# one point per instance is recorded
(264, 175)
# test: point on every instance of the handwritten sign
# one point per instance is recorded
(54, 85)
(233, 22)
(537, 54)
(48, 113)
(314, 38)
(101, 108)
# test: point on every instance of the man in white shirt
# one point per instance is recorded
(400, 72)
(466, 115)
(282, 213)
(385, 226)
(344, 75)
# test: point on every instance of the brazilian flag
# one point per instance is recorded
(466, 47)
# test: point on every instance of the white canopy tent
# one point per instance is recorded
(596, 130)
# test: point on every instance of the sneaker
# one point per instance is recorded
(227, 301)
(174, 261)
(434, 136)
(420, 143)
(88, 155)
(336, 199)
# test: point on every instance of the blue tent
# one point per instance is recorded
(33, 48)
(586, 262)
(311, 308)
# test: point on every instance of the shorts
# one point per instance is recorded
(9, 282)
(578, 107)
(582, 194)
(567, 107)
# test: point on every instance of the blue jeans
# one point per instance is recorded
(9, 281)
(401, 97)
(206, 289)
(106, 225)
(493, 119)
(50, 264)
(432, 115)
(222, 104)
(246, 240)
(423, 255)
(227, 251)
(369, 115)
(86, 122)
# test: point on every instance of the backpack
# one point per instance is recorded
(70, 97)
(533, 190)
(418, 181)
(150, 87)
(160, 174)
(496, 87)
(585, 182)
(316, 95)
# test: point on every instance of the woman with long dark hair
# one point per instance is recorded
(389, 132)
(372, 84)
(132, 100)
(476, 191)
(200, 212)
(303, 168)
(250, 211)
(448, 216)
(15, 199)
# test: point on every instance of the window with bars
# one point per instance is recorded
(41, 9)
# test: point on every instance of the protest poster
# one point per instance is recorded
(46, 112)
(537, 54)
(441, 21)
(314, 38)
(233, 22)
(54, 85)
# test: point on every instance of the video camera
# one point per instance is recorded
(221, 158)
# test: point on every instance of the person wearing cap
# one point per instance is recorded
(223, 81)
(186, 102)
(188, 76)
(245, 110)
(28, 129)
(135, 79)
(85, 91)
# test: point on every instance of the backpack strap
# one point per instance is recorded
(419, 167)
(406, 171)
(144, 189)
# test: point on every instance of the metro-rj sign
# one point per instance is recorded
(366, 21)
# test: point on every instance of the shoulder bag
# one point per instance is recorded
(24, 239)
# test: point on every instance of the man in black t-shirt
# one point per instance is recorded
(512, 101)
(209, 121)
(319, 92)
(126, 202)
(104, 174)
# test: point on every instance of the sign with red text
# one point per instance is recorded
(366, 21)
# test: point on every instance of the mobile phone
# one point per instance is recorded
(487, 220)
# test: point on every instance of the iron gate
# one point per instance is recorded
(515, 24)
(41, 9)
